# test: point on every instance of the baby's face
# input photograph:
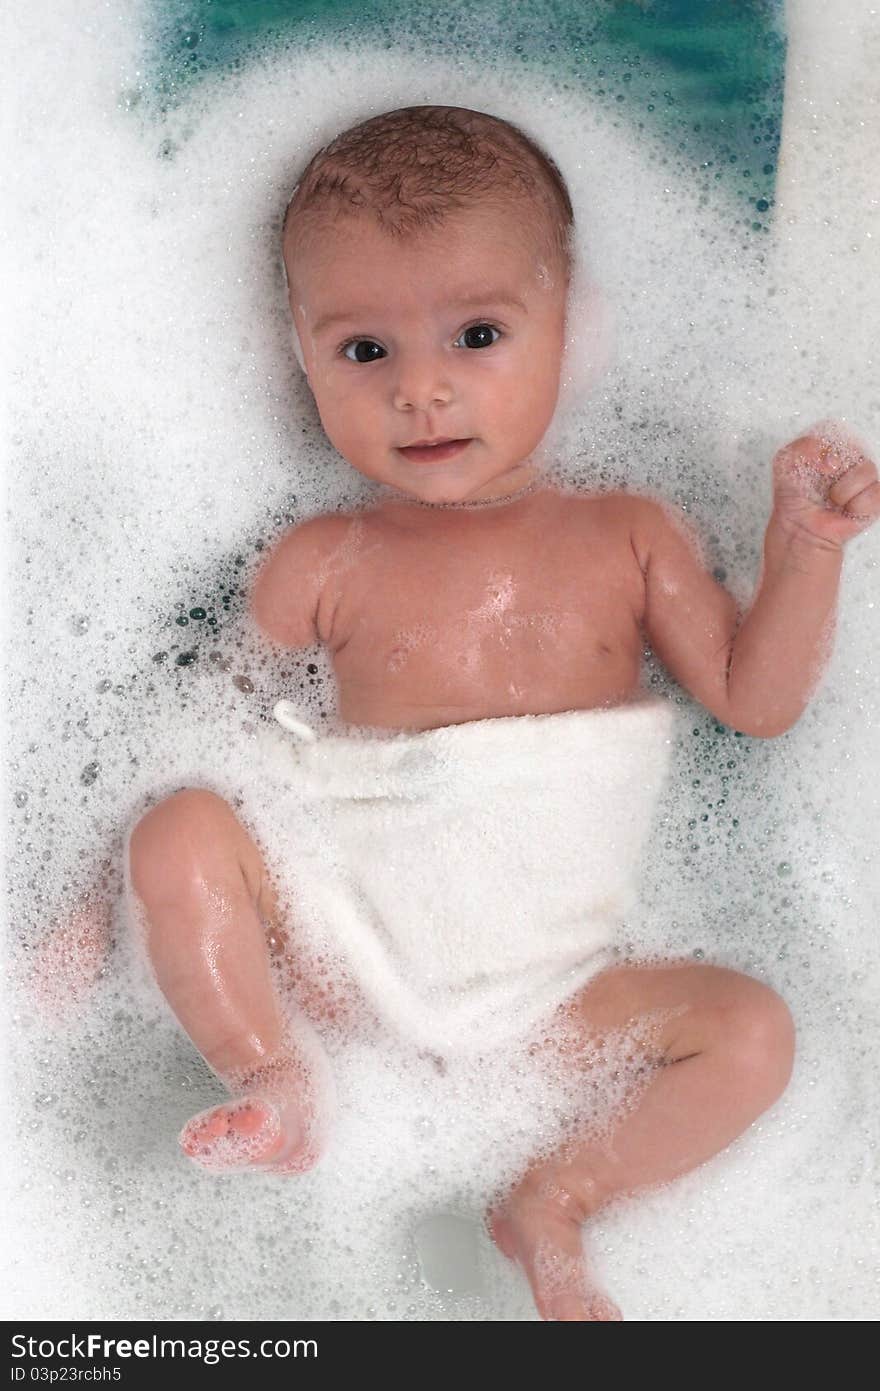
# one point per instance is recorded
(456, 333)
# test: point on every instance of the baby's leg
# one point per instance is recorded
(722, 1054)
(203, 887)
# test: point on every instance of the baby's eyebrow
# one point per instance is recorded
(488, 298)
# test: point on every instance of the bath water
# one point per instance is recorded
(162, 436)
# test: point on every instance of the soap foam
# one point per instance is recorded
(162, 438)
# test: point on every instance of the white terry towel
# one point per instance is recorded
(471, 877)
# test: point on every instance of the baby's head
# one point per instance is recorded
(428, 255)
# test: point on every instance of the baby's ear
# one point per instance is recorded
(297, 347)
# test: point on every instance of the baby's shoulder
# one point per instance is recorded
(304, 547)
(606, 512)
(290, 583)
(631, 509)
(656, 528)
(323, 529)
(625, 528)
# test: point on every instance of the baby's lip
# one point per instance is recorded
(423, 444)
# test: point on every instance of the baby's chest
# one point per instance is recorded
(446, 616)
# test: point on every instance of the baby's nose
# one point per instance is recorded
(422, 383)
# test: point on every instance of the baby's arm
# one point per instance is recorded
(757, 673)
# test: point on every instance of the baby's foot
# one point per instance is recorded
(251, 1132)
(542, 1233)
(278, 1121)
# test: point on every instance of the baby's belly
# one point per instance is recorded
(379, 713)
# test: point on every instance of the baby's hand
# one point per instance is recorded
(825, 487)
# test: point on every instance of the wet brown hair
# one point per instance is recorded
(411, 168)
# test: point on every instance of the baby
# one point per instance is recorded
(428, 256)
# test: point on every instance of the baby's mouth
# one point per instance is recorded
(433, 453)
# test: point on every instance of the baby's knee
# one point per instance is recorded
(761, 1032)
(171, 845)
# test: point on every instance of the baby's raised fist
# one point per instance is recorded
(825, 486)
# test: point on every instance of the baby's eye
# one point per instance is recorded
(373, 352)
(478, 336)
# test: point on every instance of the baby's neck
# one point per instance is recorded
(393, 495)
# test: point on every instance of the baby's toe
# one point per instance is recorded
(233, 1136)
(564, 1308)
(573, 1308)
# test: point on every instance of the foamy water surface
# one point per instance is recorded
(162, 435)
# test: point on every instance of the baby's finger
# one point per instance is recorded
(834, 435)
(856, 479)
(865, 506)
